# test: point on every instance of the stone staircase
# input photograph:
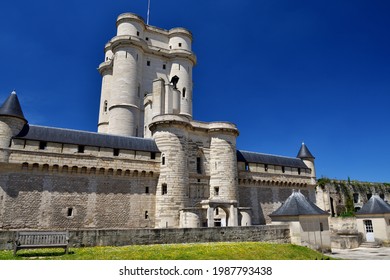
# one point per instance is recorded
(369, 245)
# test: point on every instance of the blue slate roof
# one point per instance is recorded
(304, 153)
(77, 137)
(253, 157)
(297, 205)
(375, 205)
(11, 107)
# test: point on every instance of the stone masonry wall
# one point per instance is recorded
(265, 199)
(87, 238)
(33, 199)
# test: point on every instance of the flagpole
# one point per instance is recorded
(148, 15)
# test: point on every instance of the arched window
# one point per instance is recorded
(163, 159)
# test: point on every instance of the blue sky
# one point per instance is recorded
(283, 71)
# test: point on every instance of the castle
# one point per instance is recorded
(150, 165)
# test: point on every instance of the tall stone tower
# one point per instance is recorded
(138, 55)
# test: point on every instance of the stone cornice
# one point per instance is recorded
(127, 40)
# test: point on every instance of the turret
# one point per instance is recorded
(11, 123)
(306, 156)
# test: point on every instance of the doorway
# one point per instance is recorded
(369, 231)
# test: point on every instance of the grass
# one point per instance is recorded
(201, 251)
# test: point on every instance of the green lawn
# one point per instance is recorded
(202, 251)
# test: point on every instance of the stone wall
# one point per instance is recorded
(88, 238)
(45, 200)
(266, 198)
(344, 233)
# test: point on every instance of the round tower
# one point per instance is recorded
(171, 135)
(180, 41)
(306, 156)
(105, 70)
(125, 96)
(223, 172)
(12, 122)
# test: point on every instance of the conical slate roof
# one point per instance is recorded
(11, 107)
(304, 153)
(375, 205)
(297, 205)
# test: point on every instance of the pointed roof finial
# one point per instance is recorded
(304, 153)
(11, 107)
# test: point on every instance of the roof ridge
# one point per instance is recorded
(87, 131)
(269, 154)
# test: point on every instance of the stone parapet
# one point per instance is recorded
(122, 237)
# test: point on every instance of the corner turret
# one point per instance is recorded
(12, 121)
(307, 157)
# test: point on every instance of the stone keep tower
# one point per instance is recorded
(138, 55)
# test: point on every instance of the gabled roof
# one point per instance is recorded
(11, 107)
(375, 205)
(77, 137)
(297, 205)
(253, 157)
(304, 153)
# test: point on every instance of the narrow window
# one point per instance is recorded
(283, 169)
(116, 152)
(105, 107)
(146, 215)
(355, 197)
(148, 63)
(164, 189)
(164, 66)
(153, 155)
(180, 45)
(146, 189)
(42, 145)
(70, 212)
(266, 167)
(246, 166)
(184, 92)
(199, 165)
(216, 191)
(299, 171)
(163, 160)
(137, 33)
(81, 149)
(321, 227)
(216, 211)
